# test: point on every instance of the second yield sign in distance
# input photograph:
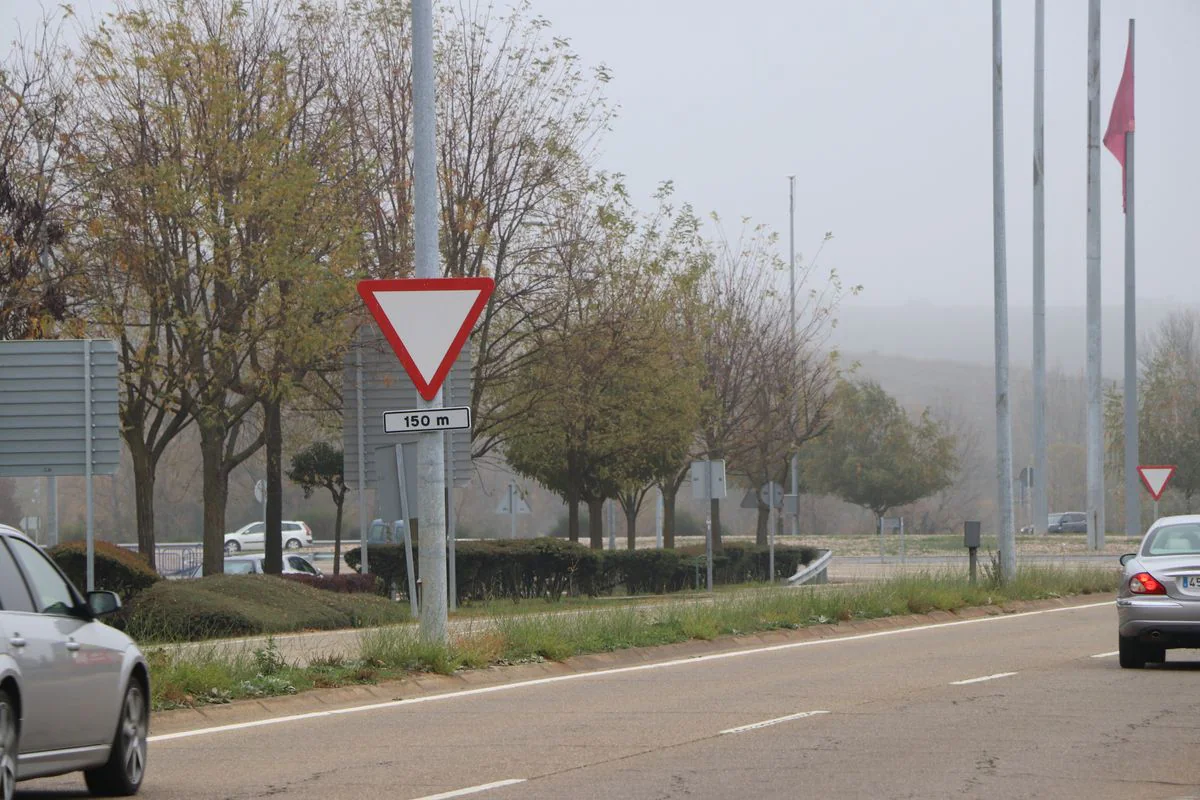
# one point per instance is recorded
(418, 420)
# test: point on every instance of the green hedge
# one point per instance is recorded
(549, 567)
(246, 605)
(116, 569)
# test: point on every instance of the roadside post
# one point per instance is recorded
(658, 521)
(971, 541)
(771, 494)
(708, 483)
(405, 514)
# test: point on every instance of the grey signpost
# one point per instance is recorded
(406, 515)
(772, 494)
(59, 416)
(708, 484)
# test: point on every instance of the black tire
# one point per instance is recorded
(293, 544)
(1131, 654)
(9, 746)
(232, 547)
(122, 775)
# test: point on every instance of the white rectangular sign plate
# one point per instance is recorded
(420, 420)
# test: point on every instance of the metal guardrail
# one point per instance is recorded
(816, 571)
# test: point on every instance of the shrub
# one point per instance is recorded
(244, 605)
(742, 563)
(346, 583)
(116, 569)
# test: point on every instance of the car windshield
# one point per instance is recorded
(239, 567)
(1173, 540)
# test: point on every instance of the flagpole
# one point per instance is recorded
(1133, 504)
(1041, 512)
(1005, 533)
(1095, 440)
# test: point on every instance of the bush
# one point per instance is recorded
(246, 605)
(116, 569)
(345, 583)
(744, 563)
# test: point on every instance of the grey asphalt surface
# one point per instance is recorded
(1065, 725)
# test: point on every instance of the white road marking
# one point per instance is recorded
(483, 787)
(578, 676)
(981, 680)
(768, 723)
(1106, 655)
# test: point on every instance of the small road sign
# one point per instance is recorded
(426, 419)
(1156, 478)
(708, 480)
(771, 493)
(426, 321)
(260, 490)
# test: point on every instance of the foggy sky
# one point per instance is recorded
(882, 109)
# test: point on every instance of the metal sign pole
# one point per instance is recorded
(658, 521)
(363, 524)
(881, 540)
(451, 527)
(708, 543)
(87, 469)
(404, 512)
(772, 520)
(512, 511)
(903, 549)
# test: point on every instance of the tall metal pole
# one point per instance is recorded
(431, 455)
(795, 470)
(363, 522)
(1041, 511)
(87, 454)
(1006, 534)
(1095, 440)
(1133, 495)
(708, 531)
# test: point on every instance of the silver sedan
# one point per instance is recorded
(1158, 604)
(74, 693)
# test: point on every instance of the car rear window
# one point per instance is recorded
(1171, 540)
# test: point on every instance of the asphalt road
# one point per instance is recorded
(1030, 705)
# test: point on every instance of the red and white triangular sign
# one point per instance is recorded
(1155, 478)
(426, 321)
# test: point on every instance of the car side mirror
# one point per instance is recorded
(1125, 559)
(103, 603)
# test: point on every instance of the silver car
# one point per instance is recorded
(1158, 604)
(74, 693)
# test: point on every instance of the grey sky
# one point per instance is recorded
(883, 111)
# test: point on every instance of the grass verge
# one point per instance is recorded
(209, 677)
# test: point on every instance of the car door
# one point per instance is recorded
(254, 536)
(78, 669)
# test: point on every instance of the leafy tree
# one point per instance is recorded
(320, 466)
(875, 456)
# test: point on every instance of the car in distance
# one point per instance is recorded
(1158, 602)
(74, 693)
(293, 564)
(1067, 522)
(295, 535)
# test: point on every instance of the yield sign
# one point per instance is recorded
(1156, 478)
(426, 321)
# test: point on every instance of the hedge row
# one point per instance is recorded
(548, 567)
(116, 569)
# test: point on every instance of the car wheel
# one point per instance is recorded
(293, 544)
(232, 547)
(8, 747)
(1130, 653)
(122, 775)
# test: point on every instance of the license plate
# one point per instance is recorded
(1190, 582)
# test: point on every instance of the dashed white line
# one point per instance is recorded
(1106, 655)
(981, 680)
(483, 787)
(578, 676)
(776, 721)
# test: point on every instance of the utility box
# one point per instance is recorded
(971, 534)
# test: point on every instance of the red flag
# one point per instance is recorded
(1120, 121)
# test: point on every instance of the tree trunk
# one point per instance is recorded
(216, 493)
(596, 523)
(669, 517)
(143, 489)
(573, 514)
(760, 527)
(340, 502)
(715, 506)
(631, 528)
(273, 535)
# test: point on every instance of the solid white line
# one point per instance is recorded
(483, 787)
(578, 676)
(1106, 655)
(981, 680)
(776, 721)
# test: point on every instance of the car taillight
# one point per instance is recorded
(1145, 583)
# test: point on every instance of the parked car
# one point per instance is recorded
(295, 534)
(74, 693)
(1158, 603)
(293, 564)
(1067, 522)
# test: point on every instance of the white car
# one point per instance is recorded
(74, 693)
(253, 565)
(296, 534)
